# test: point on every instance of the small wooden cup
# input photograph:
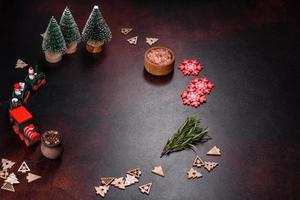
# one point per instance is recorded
(52, 57)
(159, 70)
(71, 48)
(94, 46)
(51, 151)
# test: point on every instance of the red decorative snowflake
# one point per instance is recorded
(192, 98)
(196, 93)
(201, 85)
(190, 67)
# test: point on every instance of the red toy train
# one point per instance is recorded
(20, 117)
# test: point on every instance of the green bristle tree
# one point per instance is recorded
(69, 27)
(96, 28)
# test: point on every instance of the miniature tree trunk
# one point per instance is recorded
(70, 31)
(96, 32)
(53, 43)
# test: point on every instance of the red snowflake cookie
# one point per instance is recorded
(201, 85)
(190, 67)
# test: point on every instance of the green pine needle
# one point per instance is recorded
(186, 136)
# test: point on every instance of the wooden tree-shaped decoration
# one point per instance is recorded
(96, 32)
(53, 42)
(70, 31)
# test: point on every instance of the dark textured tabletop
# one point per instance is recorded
(115, 117)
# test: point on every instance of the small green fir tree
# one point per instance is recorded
(53, 39)
(69, 27)
(96, 28)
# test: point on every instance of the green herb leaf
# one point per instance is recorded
(186, 136)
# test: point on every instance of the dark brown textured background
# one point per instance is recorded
(114, 116)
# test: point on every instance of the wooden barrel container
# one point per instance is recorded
(156, 68)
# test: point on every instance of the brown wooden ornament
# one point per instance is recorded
(20, 64)
(133, 40)
(32, 177)
(119, 183)
(151, 41)
(135, 172)
(130, 180)
(215, 151)
(3, 174)
(94, 46)
(159, 61)
(102, 190)
(8, 187)
(107, 180)
(125, 31)
(198, 162)
(23, 168)
(192, 174)
(210, 165)
(158, 171)
(145, 189)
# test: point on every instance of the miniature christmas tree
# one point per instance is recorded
(53, 43)
(69, 30)
(96, 31)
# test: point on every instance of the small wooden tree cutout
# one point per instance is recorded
(198, 162)
(7, 164)
(151, 41)
(210, 165)
(133, 40)
(119, 183)
(192, 174)
(12, 179)
(158, 171)
(125, 31)
(130, 180)
(20, 64)
(215, 151)
(8, 187)
(107, 180)
(3, 174)
(145, 189)
(32, 177)
(135, 172)
(102, 190)
(24, 168)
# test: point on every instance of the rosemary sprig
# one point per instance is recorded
(186, 136)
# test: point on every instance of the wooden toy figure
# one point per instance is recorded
(22, 125)
(21, 92)
(35, 78)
